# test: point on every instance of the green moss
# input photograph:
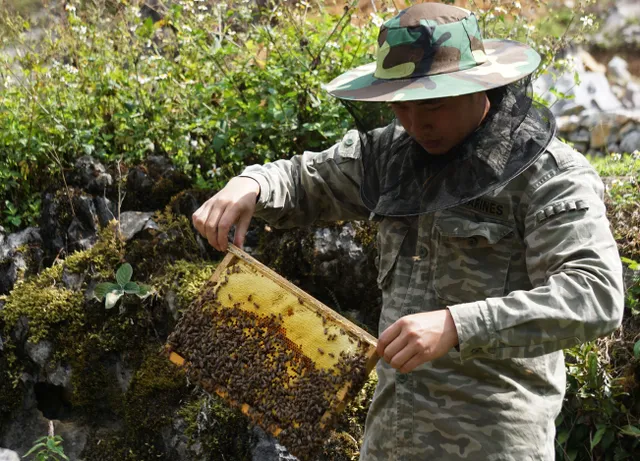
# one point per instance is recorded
(223, 432)
(103, 258)
(366, 233)
(45, 304)
(158, 381)
(187, 278)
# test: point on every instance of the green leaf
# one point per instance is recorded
(112, 298)
(562, 437)
(598, 436)
(592, 368)
(633, 431)
(34, 448)
(145, 290)
(102, 289)
(636, 350)
(51, 444)
(124, 274)
(131, 288)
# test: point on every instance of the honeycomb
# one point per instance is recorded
(287, 361)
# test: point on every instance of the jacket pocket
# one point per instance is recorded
(472, 259)
(391, 235)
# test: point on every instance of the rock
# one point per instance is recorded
(132, 222)
(631, 97)
(599, 135)
(266, 448)
(105, 210)
(594, 92)
(590, 63)
(90, 175)
(151, 186)
(72, 281)
(60, 376)
(582, 136)
(618, 71)
(9, 243)
(631, 142)
(80, 238)
(568, 123)
(17, 252)
(8, 455)
(39, 352)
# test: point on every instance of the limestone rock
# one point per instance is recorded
(631, 142)
(132, 222)
(8, 455)
(90, 175)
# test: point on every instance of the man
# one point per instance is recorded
(495, 251)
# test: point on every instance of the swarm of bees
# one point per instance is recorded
(245, 355)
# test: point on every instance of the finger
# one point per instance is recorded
(402, 357)
(413, 363)
(211, 225)
(241, 229)
(227, 219)
(399, 343)
(388, 336)
(199, 218)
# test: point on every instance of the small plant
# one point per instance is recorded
(48, 448)
(112, 292)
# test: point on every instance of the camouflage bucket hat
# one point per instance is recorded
(431, 51)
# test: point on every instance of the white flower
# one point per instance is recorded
(587, 21)
(332, 44)
(203, 8)
(214, 171)
(194, 143)
(616, 157)
(70, 69)
(70, 7)
(529, 27)
(200, 17)
(499, 9)
(517, 5)
(161, 77)
(377, 20)
(142, 79)
(636, 154)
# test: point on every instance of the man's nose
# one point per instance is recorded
(420, 119)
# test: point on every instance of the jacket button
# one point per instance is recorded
(424, 252)
(401, 378)
(348, 142)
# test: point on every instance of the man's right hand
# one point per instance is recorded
(234, 204)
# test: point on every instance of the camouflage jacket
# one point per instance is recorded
(526, 271)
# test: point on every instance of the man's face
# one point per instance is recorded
(440, 124)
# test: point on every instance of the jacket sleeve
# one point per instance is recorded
(574, 268)
(312, 186)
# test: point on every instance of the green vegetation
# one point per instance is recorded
(213, 89)
(601, 418)
(112, 292)
(47, 448)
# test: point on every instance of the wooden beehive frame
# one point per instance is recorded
(235, 255)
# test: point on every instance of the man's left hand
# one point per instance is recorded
(416, 339)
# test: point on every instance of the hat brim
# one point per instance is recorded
(507, 62)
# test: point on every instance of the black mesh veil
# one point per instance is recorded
(401, 178)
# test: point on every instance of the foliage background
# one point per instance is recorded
(215, 86)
